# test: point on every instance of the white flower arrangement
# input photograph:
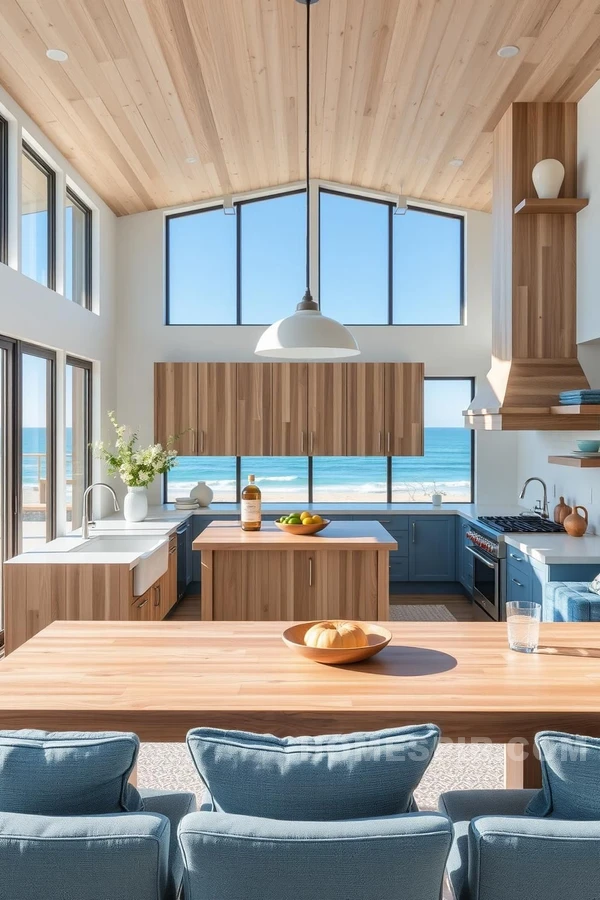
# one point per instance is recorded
(135, 467)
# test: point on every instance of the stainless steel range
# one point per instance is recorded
(488, 548)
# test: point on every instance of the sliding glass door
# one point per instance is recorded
(37, 432)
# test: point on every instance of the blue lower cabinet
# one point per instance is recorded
(432, 548)
(519, 582)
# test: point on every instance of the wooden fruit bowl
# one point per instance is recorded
(378, 637)
(304, 529)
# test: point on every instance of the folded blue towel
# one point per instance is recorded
(588, 392)
(583, 401)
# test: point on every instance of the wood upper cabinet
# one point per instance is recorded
(176, 405)
(327, 409)
(217, 409)
(404, 409)
(289, 407)
(365, 409)
(254, 409)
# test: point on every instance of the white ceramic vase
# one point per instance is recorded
(436, 499)
(202, 493)
(135, 507)
(548, 176)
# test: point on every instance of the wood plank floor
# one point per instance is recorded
(188, 609)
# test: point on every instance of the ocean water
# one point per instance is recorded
(447, 463)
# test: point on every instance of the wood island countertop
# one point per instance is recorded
(337, 536)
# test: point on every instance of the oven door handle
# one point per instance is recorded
(481, 558)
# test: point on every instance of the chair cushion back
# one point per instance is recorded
(266, 859)
(570, 777)
(313, 778)
(67, 773)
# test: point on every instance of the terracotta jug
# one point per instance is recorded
(561, 511)
(575, 524)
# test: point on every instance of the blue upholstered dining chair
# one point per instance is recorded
(313, 818)
(73, 828)
(529, 844)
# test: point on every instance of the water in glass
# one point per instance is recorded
(523, 620)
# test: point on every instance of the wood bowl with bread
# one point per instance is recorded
(336, 642)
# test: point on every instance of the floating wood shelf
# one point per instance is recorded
(534, 206)
(588, 409)
(579, 462)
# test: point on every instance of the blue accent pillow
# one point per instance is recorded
(570, 777)
(335, 776)
(67, 773)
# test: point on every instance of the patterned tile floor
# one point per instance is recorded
(168, 766)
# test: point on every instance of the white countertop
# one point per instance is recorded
(548, 549)
(557, 549)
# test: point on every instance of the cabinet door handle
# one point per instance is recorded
(157, 595)
(518, 558)
(311, 444)
(194, 442)
(142, 605)
(310, 572)
(303, 444)
(172, 551)
(380, 443)
(389, 443)
(414, 532)
(202, 441)
(518, 583)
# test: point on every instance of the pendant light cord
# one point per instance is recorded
(308, 5)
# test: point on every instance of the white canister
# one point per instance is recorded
(548, 176)
(135, 507)
(436, 499)
(202, 493)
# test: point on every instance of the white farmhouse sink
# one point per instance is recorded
(153, 555)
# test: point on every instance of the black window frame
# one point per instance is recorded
(4, 129)
(88, 236)
(389, 462)
(413, 207)
(238, 207)
(50, 174)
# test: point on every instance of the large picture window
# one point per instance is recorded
(375, 267)
(38, 215)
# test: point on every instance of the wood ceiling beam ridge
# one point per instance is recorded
(333, 32)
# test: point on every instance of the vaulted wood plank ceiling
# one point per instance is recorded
(401, 87)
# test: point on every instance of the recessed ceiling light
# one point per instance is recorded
(457, 163)
(191, 159)
(57, 55)
(508, 51)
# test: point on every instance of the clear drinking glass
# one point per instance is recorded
(523, 619)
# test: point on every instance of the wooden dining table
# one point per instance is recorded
(159, 679)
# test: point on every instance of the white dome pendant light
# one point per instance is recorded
(307, 334)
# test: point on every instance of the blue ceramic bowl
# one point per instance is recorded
(589, 446)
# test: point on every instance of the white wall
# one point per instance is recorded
(34, 313)
(143, 339)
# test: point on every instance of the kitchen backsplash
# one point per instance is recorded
(581, 486)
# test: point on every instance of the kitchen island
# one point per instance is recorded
(342, 572)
